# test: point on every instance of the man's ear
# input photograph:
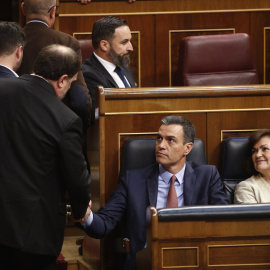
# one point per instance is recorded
(104, 45)
(22, 7)
(19, 52)
(188, 147)
(61, 82)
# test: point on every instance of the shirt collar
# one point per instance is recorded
(38, 21)
(110, 67)
(16, 75)
(166, 176)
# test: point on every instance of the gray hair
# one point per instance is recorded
(39, 7)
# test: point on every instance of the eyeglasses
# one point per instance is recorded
(53, 7)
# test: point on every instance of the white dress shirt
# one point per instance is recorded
(110, 67)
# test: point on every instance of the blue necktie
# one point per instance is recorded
(122, 77)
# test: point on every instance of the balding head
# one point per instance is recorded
(43, 10)
(53, 61)
(38, 7)
(59, 65)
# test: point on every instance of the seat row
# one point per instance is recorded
(209, 60)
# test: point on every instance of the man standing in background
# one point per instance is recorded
(40, 18)
(12, 42)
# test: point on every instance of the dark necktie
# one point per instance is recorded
(172, 196)
(122, 77)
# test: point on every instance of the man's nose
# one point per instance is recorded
(162, 144)
(130, 47)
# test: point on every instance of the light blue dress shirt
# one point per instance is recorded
(164, 185)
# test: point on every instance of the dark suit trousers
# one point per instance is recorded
(14, 259)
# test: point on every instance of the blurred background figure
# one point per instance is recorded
(12, 42)
(40, 18)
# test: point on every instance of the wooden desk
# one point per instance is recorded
(199, 238)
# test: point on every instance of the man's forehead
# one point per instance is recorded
(172, 129)
(122, 31)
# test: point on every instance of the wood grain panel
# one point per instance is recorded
(239, 255)
(260, 21)
(179, 257)
(156, 6)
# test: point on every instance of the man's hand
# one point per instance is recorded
(88, 1)
(84, 1)
(87, 214)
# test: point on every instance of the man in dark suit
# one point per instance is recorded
(40, 157)
(40, 18)
(12, 42)
(111, 39)
(195, 185)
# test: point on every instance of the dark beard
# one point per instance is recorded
(118, 59)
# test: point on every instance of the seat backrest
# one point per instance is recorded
(217, 60)
(139, 153)
(86, 48)
(234, 155)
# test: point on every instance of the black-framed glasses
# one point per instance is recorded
(53, 7)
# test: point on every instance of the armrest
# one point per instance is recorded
(215, 212)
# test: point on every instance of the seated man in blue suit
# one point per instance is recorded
(108, 64)
(12, 42)
(195, 185)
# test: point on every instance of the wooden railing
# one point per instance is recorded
(207, 237)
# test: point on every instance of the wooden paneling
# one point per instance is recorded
(156, 6)
(261, 21)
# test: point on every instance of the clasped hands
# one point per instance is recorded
(86, 216)
(88, 1)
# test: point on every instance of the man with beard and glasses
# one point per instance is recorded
(108, 64)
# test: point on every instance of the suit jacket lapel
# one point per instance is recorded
(152, 185)
(99, 66)
(189, 184)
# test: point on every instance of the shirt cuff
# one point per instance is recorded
(88, 221)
